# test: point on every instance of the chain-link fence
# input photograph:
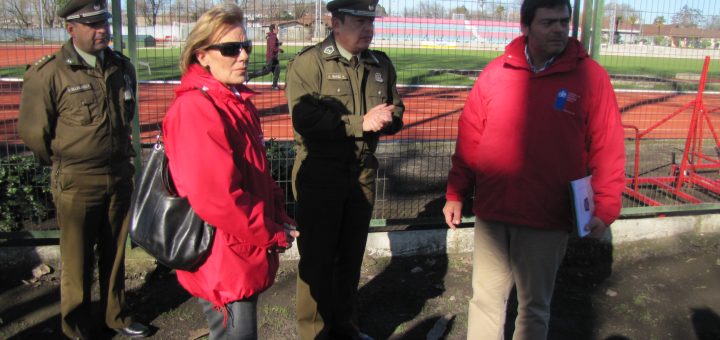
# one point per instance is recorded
(654, 51)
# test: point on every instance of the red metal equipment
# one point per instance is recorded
(694, 163)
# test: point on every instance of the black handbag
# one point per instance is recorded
(164, 224)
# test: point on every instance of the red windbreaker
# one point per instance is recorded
(217, 159)
(523, 137)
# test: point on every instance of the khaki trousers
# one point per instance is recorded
(92, 209)
(506, 254)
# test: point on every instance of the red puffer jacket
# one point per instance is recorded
(523, 137)
(217, 159)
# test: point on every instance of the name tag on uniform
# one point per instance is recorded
(336, 76)
(79, 88)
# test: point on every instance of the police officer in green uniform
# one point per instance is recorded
(75, 114)
(342, 98)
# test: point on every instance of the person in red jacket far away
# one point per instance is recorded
(539, 116)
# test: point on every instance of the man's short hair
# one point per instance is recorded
(272, 27)
(529, 7)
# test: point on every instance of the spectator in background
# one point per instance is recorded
(539, 116)
(75, 113)
(342, 98)
(216, 156)
(272, 64)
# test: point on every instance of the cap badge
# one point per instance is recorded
(96, 7)
(371, 8)
(329, 50)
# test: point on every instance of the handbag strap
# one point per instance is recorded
(166, 177)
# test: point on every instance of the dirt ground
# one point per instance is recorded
(659, 289)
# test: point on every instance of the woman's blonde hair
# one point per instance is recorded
(212, 25)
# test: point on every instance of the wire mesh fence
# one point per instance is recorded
(654, 51)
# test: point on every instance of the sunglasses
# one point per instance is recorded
(232, 49)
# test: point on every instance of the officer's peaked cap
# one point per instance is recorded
(363, 8)
(84, 11)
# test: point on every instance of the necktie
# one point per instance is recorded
(354, 62)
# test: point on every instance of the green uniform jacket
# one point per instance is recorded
(78, 117)
(327, 101)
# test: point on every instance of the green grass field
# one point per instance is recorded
(452, 67)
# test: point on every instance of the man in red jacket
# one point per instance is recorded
(539, 116)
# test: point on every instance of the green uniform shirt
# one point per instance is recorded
(328, 99)
(77, 116)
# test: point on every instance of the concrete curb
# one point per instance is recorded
(425, 242)
(419, 242)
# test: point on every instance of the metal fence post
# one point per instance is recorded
(597, 31)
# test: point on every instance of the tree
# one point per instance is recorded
(617, 14)
(713, 23)
(499, 11)
(688, 17)
(19, 11)
(659, 21)
(149, 9)
(427, 10)
(49, 7)
(302, 9)
(461, 10)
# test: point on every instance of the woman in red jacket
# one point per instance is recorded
(216, 154)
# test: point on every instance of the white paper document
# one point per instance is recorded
(581, 193)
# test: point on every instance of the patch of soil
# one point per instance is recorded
(663, 289)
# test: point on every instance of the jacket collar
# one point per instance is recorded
(198, 77)
(73, 59)
(566, 61)
(329, 51)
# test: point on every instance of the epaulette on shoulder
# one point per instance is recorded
(43, 61)
(305, 49)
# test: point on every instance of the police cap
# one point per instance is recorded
(84, 11)
(362, 8)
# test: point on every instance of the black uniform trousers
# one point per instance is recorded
(92, 210)
(334, 207)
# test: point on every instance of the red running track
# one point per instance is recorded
(431, 113)
(17, 55)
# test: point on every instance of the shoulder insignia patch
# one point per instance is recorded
(329, 50)
(44, 60)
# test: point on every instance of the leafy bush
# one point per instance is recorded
(24, 188)
(281, 156)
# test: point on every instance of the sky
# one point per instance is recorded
(649, 9)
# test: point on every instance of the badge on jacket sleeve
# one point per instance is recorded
(378, 77)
